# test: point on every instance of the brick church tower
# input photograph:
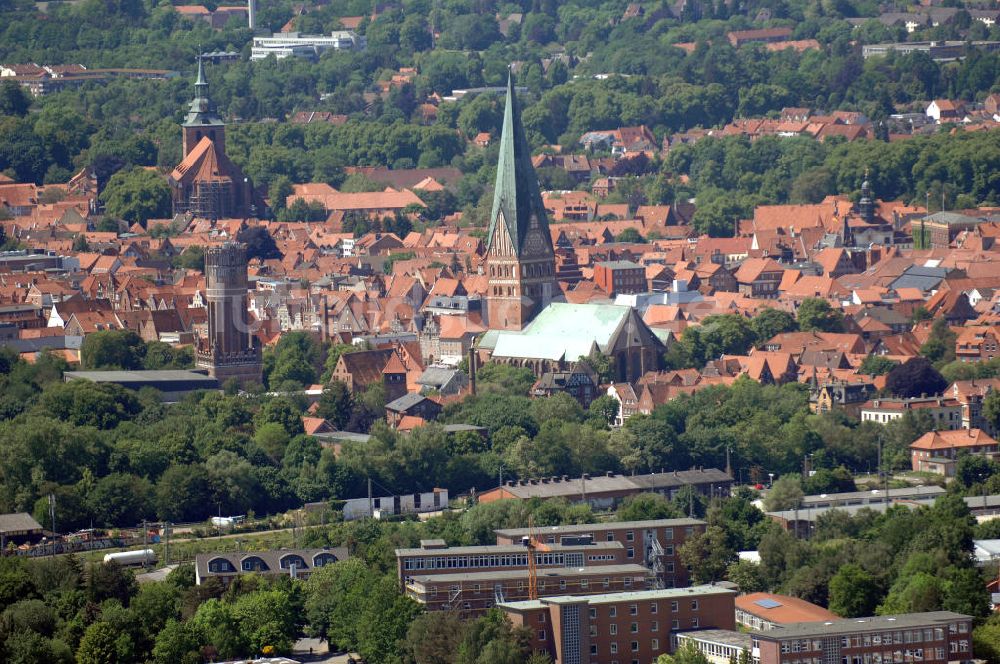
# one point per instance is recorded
(206, 183)
(230, 351)
(520, 261)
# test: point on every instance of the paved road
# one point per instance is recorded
(155, 575)
(316, 651)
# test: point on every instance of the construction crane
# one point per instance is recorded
(533, 545)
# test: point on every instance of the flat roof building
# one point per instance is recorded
(293, 44)
(473, 593)
(654, 543)
(764, 611)
(173, 383)
(605, 491)
(872, 497)
(435, 557)
(620, 627)
(936, 636)
(719, 646)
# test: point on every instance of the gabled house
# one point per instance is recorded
(937, 451)
(83, 323)
(945, 110)
(411, 405)
(759, 277)
(977, 343)
(840, 395)
(579, 381)
(628, 402)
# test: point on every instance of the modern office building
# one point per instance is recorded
(293, 44)
(620, 627)
(937, 636)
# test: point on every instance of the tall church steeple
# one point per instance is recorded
(520, 261)
(206, 183)
(201, 119)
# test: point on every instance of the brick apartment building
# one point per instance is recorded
(620, 627)
(614, 277)
(978, 343)
(654, 544)
(937, 636)
(434, 557)
(473, 593)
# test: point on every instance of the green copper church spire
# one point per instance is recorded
(201, 83)
(201, 112)
(516, 193)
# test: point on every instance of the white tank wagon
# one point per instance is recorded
(129, 558)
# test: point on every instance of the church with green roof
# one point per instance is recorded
(529, 323)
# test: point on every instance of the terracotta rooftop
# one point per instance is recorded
(783, 609)
(943, 440)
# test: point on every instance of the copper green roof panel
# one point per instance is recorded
(516, 192)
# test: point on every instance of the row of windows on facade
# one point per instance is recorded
(255, 564)
(571, 560)
(530, 270)
(654, 645)
(633, 610)
(503, 560)
(902, 656)
(876, 638)
(653, 627)
(668, 534)
(889, 417)
(718, 650)
(477, 588)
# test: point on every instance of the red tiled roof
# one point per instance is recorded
(945, 440)
(789, 610)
